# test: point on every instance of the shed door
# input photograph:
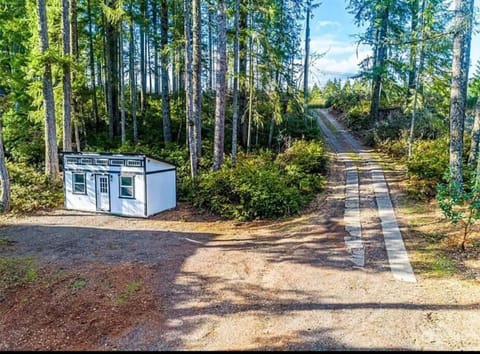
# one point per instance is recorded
(103, 193)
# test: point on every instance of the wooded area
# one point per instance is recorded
(199, 83)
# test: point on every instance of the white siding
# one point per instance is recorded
(128, 207)
(161, 189)
(154, 165)
(80, 201)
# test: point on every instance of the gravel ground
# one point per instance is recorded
(207, 284)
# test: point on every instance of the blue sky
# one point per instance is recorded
(332, 31)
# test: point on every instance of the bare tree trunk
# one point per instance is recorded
(379, 63)
(189, 89)
(210, 46)
(143, 76)
(242, 70)
(235, 83)
(92, 66)
(167, 125)
(77, 136)
(111, 33)
(250, 100)
(305, 66)
(122, 88)
(416, 83)
(156, 77)
(221, 69)
(51, 149)
(133, 84)
(474, 147)
(458, 94)
(67, 83)
(197, 75)
(4, 178)
(412, 74)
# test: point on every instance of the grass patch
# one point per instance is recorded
(5, 241)
(15, 272)
(131, 289)
(78, 284)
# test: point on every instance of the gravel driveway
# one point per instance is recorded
(221, 285)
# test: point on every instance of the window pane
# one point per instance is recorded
(126, 181)
(134, 163)
(78, 178)
(79, 188)
(126, 192)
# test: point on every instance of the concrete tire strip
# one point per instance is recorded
(351, 217)
(397, 254)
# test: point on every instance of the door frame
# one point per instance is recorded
(97, 207)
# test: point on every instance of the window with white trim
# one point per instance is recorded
(102, 162)
(78, 183)
(127, 189)
(116, 162)
(87, 161)
(134, 163)
(71, 161)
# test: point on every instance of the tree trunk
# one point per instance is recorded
(189, 89)
(67, 83)
(156, 77)
(143, 74)
(51, 153)
(167, 125)
(133, 84)
(4, 178)
(474, 147)
(122, 88)
(210, 46)
(416, 83)
(197, 75)
(235, 83)
(458, 94)
(75, 54)
(92, 66)
(111, 33)
(413, 47)
(250, 100)
(305, 66)
(379, 66)
(221, 70)
(242, 70)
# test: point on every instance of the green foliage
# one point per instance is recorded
(427, 165)
(31, 190)
(260, 186)
(306, 156)
(460, 205)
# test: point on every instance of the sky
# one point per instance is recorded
(333, 33)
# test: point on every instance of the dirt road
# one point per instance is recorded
(217, 285)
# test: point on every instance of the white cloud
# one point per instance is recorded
(326, 23)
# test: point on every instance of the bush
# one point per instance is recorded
(32, 190)
(263, 187)
(308, 156)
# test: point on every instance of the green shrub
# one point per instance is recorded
(32, 190)
(308, 156)
(261, 187)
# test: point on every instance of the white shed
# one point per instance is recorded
(120, 184)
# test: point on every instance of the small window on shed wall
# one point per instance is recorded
(117, 162)
(127, 189)
(135, 163)
(78, 183)
(71, 160)
(101, 162)
(87, 161)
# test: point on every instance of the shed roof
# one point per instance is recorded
(114, 154)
